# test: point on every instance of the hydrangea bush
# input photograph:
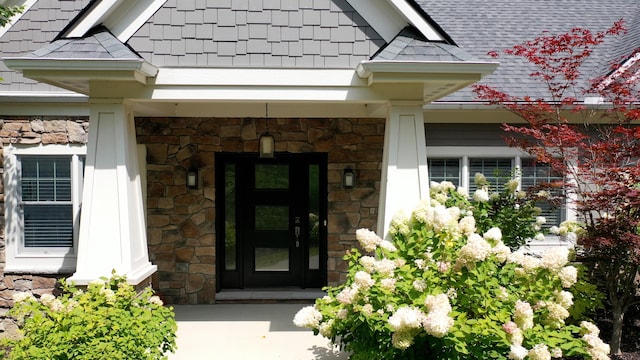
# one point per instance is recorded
(108, 320)
(447, 287)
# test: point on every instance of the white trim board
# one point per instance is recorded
(389, 17)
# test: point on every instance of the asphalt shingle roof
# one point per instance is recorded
(409, 45)
(99, 44)
(480, 26)
(35, 29)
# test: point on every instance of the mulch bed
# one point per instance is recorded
(630, 334)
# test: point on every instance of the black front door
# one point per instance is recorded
(274, 211)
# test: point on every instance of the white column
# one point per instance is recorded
(404, 166)
(112, 222)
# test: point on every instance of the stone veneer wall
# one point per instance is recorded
(31, 131)
(181, 221)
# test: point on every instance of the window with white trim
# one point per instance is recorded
(454, 165)
(43, 191)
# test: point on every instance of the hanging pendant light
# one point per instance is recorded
(267, 142)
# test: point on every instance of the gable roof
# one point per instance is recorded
(37, 26)
(480, 26)
(98, 44)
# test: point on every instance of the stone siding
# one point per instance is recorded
(181, 221)
(31, 131)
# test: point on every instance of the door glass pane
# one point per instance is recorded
(272, 217)
(272, 259)
(314, 217)
(272, 176)
(230, 249)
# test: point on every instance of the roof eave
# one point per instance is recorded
(438, 78)
(76, 74)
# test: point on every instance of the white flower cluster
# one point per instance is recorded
(307, 317)
(363, 280)
(595, 346)
(476, 249)
(406, 318)
(523, 315)
(555, 258)
(539, 352)
(51, 302)
(368, 239)
(437, 322)
(23, 296)
(568, 230)
(400, 224)
(568, 276)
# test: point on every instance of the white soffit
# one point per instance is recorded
(8, 3)
(389, 17)
(122, 18)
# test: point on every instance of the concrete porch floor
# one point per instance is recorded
(247, 331)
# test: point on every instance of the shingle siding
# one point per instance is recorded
(256, 33)
(35, 29)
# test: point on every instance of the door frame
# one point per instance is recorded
(308, 278)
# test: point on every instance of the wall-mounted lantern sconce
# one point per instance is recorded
(348, 178)
(267, 145)
(266, 142)
(192, 178)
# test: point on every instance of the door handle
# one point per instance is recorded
(296, 231)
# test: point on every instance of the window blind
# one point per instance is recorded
(46, 201)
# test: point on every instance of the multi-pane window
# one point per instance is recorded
(46, 201)
(43, 192)
(497, 170)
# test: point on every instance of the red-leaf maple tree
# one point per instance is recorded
(595, 144)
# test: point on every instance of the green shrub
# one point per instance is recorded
(446, 286)
(108, 320)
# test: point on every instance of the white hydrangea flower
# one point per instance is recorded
(501, 252)
(556, 353)
(479, 179)
(541, 220)
(368, 263)
(462, 191)
(589, 328)
(476, 249)
(402, 340)
(307, 317)
(363, 280)
(388, 246)
(156, 300)
(47, 299)
(56, 305)
(539, 237)
(347, 294)
(539, 352)
(517, 352)
(368, 239)
(342, 314)
(22, 296)
(326, 328)
(438, 303)
(557, 312)
(481, 195)
(388, 284)
(420, 285)
(568, 276)
(512, 185)
(564, 298)
(437, 324)
(555, 258)
(367, 309)
(494, 234)
(385, 267)
(597, 349)
(406, 318)
(467, 225)
(523, 315)
(399, 224)
(554, 230)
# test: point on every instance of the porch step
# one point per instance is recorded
(268, 296)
